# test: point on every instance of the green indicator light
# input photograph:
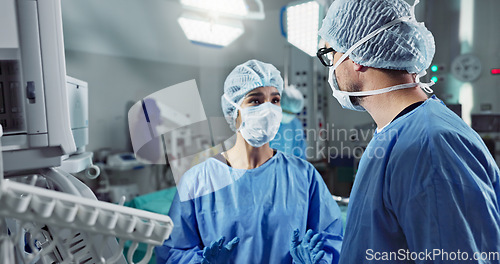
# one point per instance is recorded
(434, 79)
(434, 68)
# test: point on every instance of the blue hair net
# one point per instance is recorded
(292, 100)
(243, 79)
(404, 46)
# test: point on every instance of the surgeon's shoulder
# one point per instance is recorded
(429, 122)
(296, 163)
(440, 134)
(440, 122)
(416, 132)
(291, 158)
(197, 172)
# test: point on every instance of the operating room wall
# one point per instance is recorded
(476, 33)
(487, 47)
(467, 27)
(116, 82)
(149, 30)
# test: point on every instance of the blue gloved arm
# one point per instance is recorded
(218, 253)
(307, 251)
(175, 255)
(324, 217)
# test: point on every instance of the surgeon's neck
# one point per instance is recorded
(243, 156)
(385, 107)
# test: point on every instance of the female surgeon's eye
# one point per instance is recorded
(276, 100)
(254, 102)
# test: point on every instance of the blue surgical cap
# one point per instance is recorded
(404, 46)
(243, 79)
(292, 100)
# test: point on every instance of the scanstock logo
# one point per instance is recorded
(170, 127)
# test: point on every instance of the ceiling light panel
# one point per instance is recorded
(303, 21)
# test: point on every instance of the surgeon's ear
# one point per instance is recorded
(358, 67)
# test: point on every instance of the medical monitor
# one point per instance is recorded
(485, 123)
(34, 110)
(456, 108)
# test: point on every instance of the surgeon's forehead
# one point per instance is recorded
(260, 91)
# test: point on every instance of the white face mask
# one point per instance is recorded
(259, 124)
(344, 97)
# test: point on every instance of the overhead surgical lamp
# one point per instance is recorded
(233, 7)
(303, 19)
(209, 26)
(226, 8)
(210, 32)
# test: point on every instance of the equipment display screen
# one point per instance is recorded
(11, 105)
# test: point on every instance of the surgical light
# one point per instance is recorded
(231, 7)
(216, 33)
(303, 22)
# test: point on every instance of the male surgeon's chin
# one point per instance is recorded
(356, 100)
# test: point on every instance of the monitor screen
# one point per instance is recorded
(486, 122)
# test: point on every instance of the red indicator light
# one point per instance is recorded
(495, 71)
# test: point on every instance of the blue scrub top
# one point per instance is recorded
(426, 184)
(290, 139)
(262, 207)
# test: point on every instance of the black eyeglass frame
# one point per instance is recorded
(324, 51)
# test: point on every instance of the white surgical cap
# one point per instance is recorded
(292, 100)
(243, 79)
(404, 46)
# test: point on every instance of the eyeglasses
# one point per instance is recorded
(325, 55)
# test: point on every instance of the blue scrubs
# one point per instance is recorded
(290, 139)
(262, 207)
(426, 184)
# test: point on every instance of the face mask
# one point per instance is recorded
(259, 124)
(344, 97)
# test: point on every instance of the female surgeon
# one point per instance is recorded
(259, 199)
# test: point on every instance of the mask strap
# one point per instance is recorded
(380, 91)
(369, 36)
(412, 10)
(425, 86)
